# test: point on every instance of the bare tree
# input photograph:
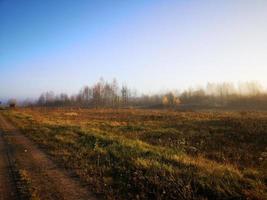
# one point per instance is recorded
(125, 95)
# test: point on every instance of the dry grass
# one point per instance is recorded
(140, 154)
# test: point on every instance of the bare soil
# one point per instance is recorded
(7, 189)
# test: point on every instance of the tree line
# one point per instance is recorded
(105, 94)
(101, 94)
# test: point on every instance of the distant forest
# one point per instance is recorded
(104, 94)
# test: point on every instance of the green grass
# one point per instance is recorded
(141, 154)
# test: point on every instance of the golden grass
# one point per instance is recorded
(142, 154)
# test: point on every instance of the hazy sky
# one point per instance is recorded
(151, 45)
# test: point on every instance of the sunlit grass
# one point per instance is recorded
(149, 153)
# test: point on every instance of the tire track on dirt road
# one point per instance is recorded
(47, 181)
(8, 189)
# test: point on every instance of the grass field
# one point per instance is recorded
(141, 154)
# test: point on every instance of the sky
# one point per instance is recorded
(151, 45)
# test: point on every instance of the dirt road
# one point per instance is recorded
(7, 188)
(25, 171)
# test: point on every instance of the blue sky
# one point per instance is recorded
(151, 45)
